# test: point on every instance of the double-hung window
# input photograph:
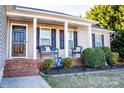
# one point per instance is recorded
(45, 36)
(98, 40)
(70, 39)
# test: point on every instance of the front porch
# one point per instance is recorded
(37, 32)
(26, 33)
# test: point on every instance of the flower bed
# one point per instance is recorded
(92, 59)
(78, 69)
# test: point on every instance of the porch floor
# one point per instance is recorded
(24, 82)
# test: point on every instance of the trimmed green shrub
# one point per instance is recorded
(98, 58)
(94, 57)
(113, 58)
(107, 51)
(67, 62)
(87, 55)
(47, 64)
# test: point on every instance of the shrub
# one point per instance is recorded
(87, 55)
(98, 58)
(94, 57)
(107, 51)
(113, 58)
(67, 62)
(47, 64)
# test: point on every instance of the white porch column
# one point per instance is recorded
(34, 38)
(90, 35)
(66, 38)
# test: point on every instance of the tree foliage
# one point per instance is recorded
(110, 17)
(118, 43)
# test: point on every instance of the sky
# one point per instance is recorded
(75, 10)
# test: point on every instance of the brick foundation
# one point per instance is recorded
(15, 68)
(78, 62)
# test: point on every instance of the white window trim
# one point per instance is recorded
(72, 37)
(26, 25)
(41, 27)
(7, 40)
(95, 39)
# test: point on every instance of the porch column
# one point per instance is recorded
(66, 38)
(34, 38)
(90, 35)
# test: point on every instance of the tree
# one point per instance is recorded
(118, 43)
(110, 17)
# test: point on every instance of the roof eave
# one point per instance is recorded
(64, 15)
(109, 31)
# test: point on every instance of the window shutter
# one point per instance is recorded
(37, 38)
(53, 37)
(93, 40)
(102, 36)
(75, 39)
(61, 39)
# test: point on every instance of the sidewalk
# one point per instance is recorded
(24, 82)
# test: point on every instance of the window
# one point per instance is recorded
(98, 40)
(70, 38)
(45, 36)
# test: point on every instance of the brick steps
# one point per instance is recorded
(15, 68)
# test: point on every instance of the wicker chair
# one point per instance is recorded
(77, 50)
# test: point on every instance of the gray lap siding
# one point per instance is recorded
(3, 38)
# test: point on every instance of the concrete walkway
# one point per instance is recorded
(24, 82)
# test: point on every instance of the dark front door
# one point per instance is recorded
(18, 41)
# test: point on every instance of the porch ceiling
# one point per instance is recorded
(20, 18)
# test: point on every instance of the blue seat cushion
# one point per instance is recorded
(53, 48)
(42, 48)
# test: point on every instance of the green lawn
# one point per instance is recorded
(107, 79)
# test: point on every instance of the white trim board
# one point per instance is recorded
(40, 32)
(11, 39)
(46, 18)
(104, 30)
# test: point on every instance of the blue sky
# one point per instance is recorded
(68, 9)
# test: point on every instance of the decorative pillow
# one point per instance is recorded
(48, 49)
(77, 49)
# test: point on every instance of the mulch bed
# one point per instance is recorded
(78, 69)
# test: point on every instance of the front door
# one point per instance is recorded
(18, 41)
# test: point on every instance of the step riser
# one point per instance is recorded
(15, 68)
